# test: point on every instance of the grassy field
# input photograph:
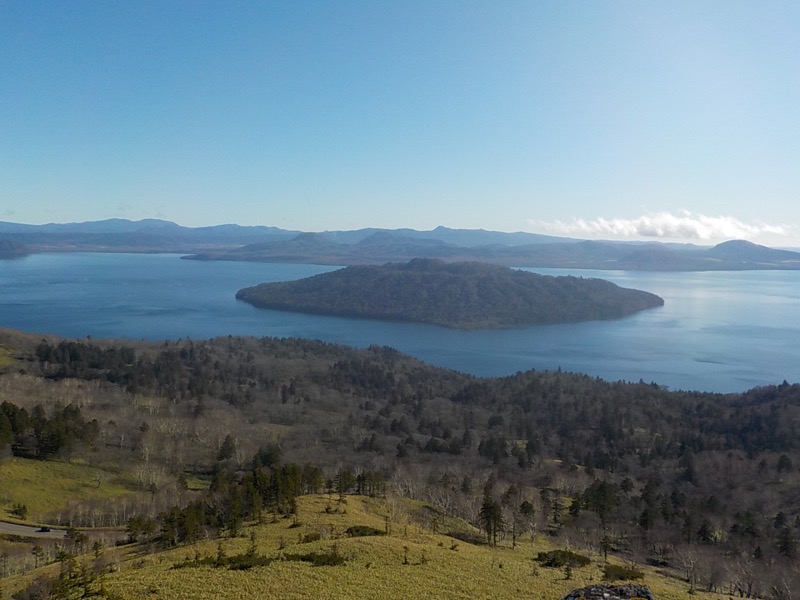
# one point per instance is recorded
(408, 563)
(47, 486)
(6, 357)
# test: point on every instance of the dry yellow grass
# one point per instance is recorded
(438, 566)
(6, 357)
(48, 486)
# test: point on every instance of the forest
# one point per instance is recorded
(456, 295)
(703, 486)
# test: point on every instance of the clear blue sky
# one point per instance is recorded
(673, 120)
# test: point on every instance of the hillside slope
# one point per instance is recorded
(703, 485)
(410, 562)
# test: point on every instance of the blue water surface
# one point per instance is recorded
(718, 331)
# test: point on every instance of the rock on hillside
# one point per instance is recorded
(604, 592)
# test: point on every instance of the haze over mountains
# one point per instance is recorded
(374, 245)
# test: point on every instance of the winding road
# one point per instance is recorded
(30, 531)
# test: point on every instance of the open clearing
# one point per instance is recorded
(46, 487)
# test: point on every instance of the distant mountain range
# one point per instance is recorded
(377, 246)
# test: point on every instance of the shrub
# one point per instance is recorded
(562, 558)
(468, 537)
(20, 511)
(362, 530)
(238, 562)
(331, 558)
(243, 562)
(312, 536)
(620, 573)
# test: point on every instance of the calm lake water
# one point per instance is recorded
(718, 331)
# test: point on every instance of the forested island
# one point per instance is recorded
(464, 295)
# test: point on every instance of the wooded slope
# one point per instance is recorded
(704, 486)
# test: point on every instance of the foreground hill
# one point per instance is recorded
(456, 295)
(203, 435)
(337, 547)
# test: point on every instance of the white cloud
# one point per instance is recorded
(666, 225)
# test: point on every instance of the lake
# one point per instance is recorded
(718, 331)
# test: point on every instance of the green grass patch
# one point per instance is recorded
(6, 357)
(45, 487)
(197, 484)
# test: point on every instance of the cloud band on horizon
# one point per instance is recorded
(666, 225)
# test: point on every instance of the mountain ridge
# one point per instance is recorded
(233, 242)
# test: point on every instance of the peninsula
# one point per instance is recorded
(461, 295)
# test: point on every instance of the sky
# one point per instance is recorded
(643, 120)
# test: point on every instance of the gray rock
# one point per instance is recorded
(616, 592)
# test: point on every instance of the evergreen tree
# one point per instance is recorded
(227, 449)
(491, 513)
(787, 543)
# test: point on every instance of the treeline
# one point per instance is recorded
(235, 497)
(36, 435)
(456, 295)
(578, 419)
(186, 373)
(583, 420)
